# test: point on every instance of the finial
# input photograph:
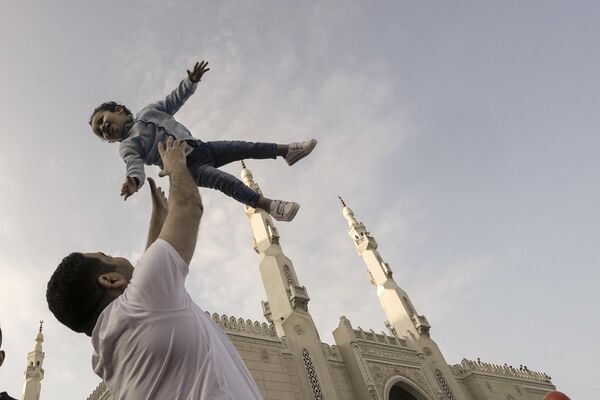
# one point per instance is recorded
(342, 200)
(41, 323)
(243, 164)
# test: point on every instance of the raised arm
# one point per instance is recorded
(173, 102)
(160, 209)
(185, 205)
(135, 175)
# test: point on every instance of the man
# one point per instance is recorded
(151, 341)
(3, 395)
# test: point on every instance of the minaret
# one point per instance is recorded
(287, 305)
(403, 319)
(34, 373)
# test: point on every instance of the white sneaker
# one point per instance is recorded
(299, 150)
(283, 210)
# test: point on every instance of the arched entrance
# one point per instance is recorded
(402, 388)
(399, 393)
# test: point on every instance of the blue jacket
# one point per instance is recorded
(151, 126)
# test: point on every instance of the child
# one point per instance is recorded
(139, 138)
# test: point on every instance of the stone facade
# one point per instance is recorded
(287, 359)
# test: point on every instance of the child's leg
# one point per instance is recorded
(208, 176)
(226, 151)
(211, 177)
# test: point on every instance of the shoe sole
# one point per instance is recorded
(307, 151)
(290, 216)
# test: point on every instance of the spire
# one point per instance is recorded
(34, 373)
(287, 303)
(403, 318)
(248, 179)
(284, 284)
(348, 213)
(39, 339)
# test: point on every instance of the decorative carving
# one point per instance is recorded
(422, 324)
(393, 356)
(372, 391)
(288, 275)
(333, 352)
(267, 311)
(444, 385)
(381, 373)
(312, 375)
(298, 329)
(272, 232)
(299, 297)
(427, 351)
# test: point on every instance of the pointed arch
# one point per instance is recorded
(399, 383)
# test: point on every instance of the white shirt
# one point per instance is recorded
(154, 342)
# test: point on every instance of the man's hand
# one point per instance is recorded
(129, 187)
(160, 205)
(185, 205)
(172, 153)
(160, 210)
(199, 69)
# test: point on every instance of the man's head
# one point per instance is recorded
(1, 351)
(108, 121)
(83, 285)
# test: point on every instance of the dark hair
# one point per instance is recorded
(74, 295)
(109, 106)
(0, 337)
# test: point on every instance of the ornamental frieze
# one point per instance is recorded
(381, 373)
(389, 356)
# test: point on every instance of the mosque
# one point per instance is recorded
(287, 359)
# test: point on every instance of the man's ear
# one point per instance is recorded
(119, 109)
(112, 280)
(1, 357)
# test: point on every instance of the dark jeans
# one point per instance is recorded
(204, 161)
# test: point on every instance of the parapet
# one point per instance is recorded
(100, 393)
(469, 366)
(380, 338)
(239, 326)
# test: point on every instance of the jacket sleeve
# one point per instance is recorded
(134, 162)
(174, 100)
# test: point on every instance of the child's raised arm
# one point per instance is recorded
(173, 102)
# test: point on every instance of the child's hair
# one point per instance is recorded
(109, 106)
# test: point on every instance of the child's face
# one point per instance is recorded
(110, 125)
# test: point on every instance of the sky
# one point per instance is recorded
(463, 134)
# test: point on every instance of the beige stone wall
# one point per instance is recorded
(267, 366)
(380, 357)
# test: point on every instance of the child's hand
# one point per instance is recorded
(198, 71)
(129, 187)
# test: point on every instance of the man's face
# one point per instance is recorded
(110, 125)
(122, 265)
